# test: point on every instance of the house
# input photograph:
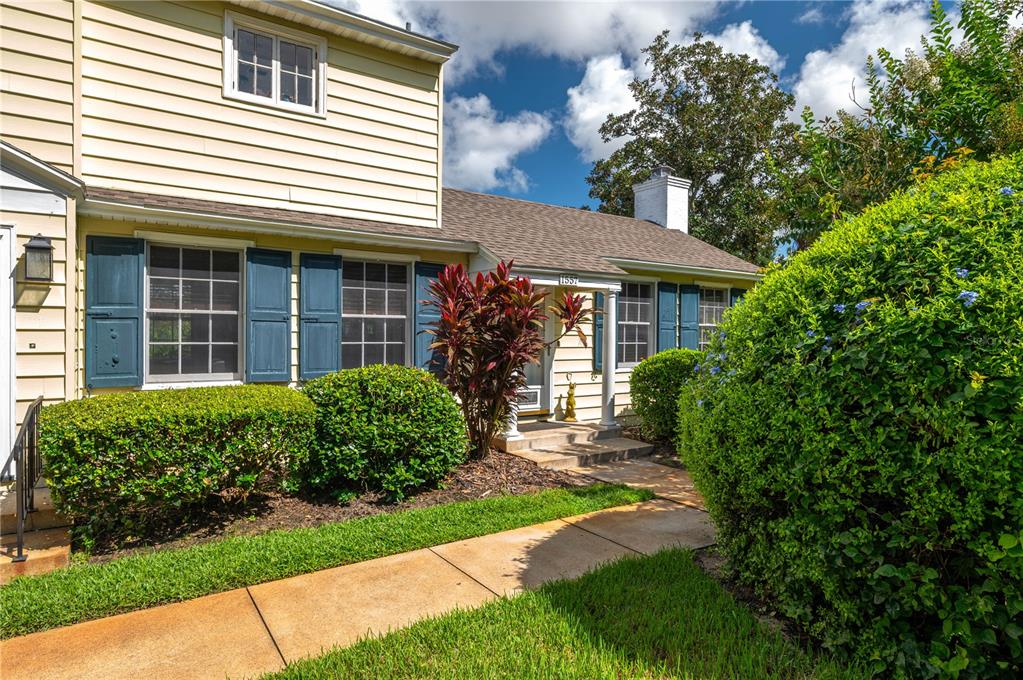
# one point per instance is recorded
(252, 191)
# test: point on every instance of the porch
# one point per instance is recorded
(562, 446)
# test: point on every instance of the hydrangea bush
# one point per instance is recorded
(857, 431)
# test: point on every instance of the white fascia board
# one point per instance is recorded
(52, 177)
(683, 269)
(356, 27)
(121, 211)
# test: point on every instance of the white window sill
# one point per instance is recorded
(193, 383)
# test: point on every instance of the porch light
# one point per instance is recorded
(39, 259)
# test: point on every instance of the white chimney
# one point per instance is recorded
(663, 199)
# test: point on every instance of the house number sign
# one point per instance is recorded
(568, 280)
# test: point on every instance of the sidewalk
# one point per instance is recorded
(253, 630)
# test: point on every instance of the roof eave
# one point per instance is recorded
(52, 177)
(712, 272)
(180, 217)
(355, 27)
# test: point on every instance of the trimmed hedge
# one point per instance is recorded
(858, 433)
(117, 463)
(390, 428)
(655, 385)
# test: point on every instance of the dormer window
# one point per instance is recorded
(272, 65)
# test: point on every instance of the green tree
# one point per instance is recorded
(924, 113)
(718, 119)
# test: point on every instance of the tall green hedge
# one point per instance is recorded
(655, 384)
(390, 428)
(858, 432)
(119, 463)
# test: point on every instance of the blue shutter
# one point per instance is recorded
(736, 295)
(319, 330)
(426, 317)
(113, 311)
(268, 316)
(667, 316)
(598, 332)
(689, 311)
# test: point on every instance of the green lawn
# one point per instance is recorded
(641, 617)
(90, 591)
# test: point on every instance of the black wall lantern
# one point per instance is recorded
(39, 259)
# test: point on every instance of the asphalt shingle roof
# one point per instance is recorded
(532, 234)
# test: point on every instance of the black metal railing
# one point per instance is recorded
(25, 467)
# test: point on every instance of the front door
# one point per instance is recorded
(534, 398)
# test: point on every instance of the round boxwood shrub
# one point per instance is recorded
(655, 385)
(120, 464)
(389, 428)
(858, 431)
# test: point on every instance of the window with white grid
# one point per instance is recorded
(192, 313)
(374, 316)
(635, 315)
(273, 65)
(713, 303)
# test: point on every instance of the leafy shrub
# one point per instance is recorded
(391, 428)
(858, 432)
(655, 385)
(119, 463)
(490, 327)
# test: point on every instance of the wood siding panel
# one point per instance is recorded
(160, 123)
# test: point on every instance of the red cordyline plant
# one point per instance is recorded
(490, 327)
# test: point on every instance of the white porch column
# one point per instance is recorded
(607, 397)
(512, 430)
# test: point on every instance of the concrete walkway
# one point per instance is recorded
(253, 630)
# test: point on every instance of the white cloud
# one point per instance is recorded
(604, 90)
(568, 30)
(481, 145)
(813, 15)
(827, 77)
(745, 39)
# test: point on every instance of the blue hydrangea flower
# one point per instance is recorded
(699, 402)
(860, 306)
(961, 273)
(826, 347)
(840, 308)
(968, 297)
(714, 370)
(1007, 191)
(811, 334)
(721, 335)
(827, 338)
(696, 368)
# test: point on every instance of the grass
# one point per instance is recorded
(90, 591)
(641, 617)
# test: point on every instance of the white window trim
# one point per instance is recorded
(232, 21)
(192, 380)
(410, 293)
(717, 285)
(651, 335)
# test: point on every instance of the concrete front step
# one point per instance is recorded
(44, 517)
(586, 453)
(553, 435)
(46, 550)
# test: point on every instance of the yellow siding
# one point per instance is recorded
(154, 119)
(95, 226)
(40, 336)
(36, 78)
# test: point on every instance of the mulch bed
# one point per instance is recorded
(498, 474)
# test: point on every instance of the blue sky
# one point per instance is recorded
(532, 82)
